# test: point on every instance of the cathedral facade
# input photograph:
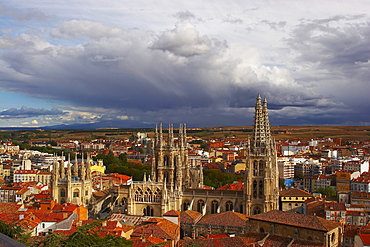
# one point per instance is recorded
(71, 184)
(175, 185)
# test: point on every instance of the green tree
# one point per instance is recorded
(13, 231)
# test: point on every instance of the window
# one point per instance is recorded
(214, 207)
(257, 210)
(229, 206)
(62, 193)
(185, 205)
(200, 206)
(76, 193)
(148, 211)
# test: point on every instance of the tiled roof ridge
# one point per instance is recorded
(294, 192)
(298, 220)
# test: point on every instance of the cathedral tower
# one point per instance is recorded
(72, 184)
(261, 177)
(170, 160)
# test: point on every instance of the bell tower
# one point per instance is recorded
(261, 191)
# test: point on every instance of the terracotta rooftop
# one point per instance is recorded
(218, 242)
(164, 229)
(228, 218)
(277, 241)
(52, 217)
(238, 186)
(335, 206)
(172, 213)
(9, 207)
(295, 193)
(298, 220)
(365, 239)
(305, 243)
(189, 217)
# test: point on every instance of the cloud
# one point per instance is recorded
(189, 64)
(184, 40)
(26, 112)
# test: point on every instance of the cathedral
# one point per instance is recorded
(72, 184)
(174, 184)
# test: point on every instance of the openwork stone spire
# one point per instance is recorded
(261, 130)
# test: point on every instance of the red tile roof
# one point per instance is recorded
(277, 241)
(238, 186)
(365, 239)
(218, 242)
(52, 217)
(232, 219)
(298, 220)
(189, 217)
(295, 193)
(172, 213)
(9, 207)
(164, 229)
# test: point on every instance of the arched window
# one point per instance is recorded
(139, 195)
(241, 209)
(165, 177)
(254, 189)
(200, 206)
(76, 193)
(62, 193)
(255, 168)
(148, 211)
(148, 195)
(166, 160)
(261, 192)
(229, 206)
(262, 230)
(261, 168)
(214, 207)
(256, 210)
(157, 195)
(185, 205)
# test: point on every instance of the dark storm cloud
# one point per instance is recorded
(336, 59)
(25, 112)
(177, 75)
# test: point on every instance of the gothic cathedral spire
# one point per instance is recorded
(261, 177)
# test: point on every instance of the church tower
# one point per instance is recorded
(71, 184)
(170, 160)
(261, 185)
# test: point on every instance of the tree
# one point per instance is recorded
(85, 236)
(13, 231)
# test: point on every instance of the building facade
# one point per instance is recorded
(71, 184)
(261, 183)
(176, 183)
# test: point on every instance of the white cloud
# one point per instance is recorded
(145, 63)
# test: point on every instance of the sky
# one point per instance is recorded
(123, 63)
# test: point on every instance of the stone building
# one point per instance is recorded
(175, 183)
(72, 184)
(297, 226)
